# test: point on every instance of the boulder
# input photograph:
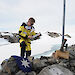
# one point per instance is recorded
(38, 64)
(72, 63)
(30, 58)
(20, 73)
(1, 73)
(55, 70)
(52, 61)
(10, 66)
(32, 73)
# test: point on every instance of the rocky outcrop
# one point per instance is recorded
(11, 37)
(42, 66)
(54, 34)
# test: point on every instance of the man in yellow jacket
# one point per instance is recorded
(26, 33)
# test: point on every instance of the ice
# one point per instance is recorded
(3, 42)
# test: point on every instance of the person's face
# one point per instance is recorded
(30, 23)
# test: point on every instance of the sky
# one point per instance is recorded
(47, 13)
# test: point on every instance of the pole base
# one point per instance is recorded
(60, 54)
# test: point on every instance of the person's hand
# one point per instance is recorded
(30, 37)
(40, 34)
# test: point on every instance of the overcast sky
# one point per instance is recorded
(48, 14)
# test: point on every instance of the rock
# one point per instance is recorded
(55, 70)
(1, 73)
(72, 63)
(11, 37)
(32, 73)
(42, 66)
(0, 70)
(53, 34)
(6, 68)
(44, 57)
(30, 58)
(71, 50)
(72, 68)
(4, 73)
(63, 64)
(67, 35)
(38, 64)
(1, 36)
(20, 73)
(5, 61)
(48, 60)
(14, 39)
(52, 61)
(10, 66)
(6, 37)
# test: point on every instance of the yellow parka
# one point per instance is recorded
(24, 32)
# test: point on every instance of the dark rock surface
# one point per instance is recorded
(54, 34)
(11, 37)
(9, 66)
(20, 73)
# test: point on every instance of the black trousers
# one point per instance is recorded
(23, 51)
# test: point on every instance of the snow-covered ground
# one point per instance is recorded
(38, 47)
(3, 42)
(45, 46)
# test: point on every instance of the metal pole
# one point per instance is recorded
(63, 28)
